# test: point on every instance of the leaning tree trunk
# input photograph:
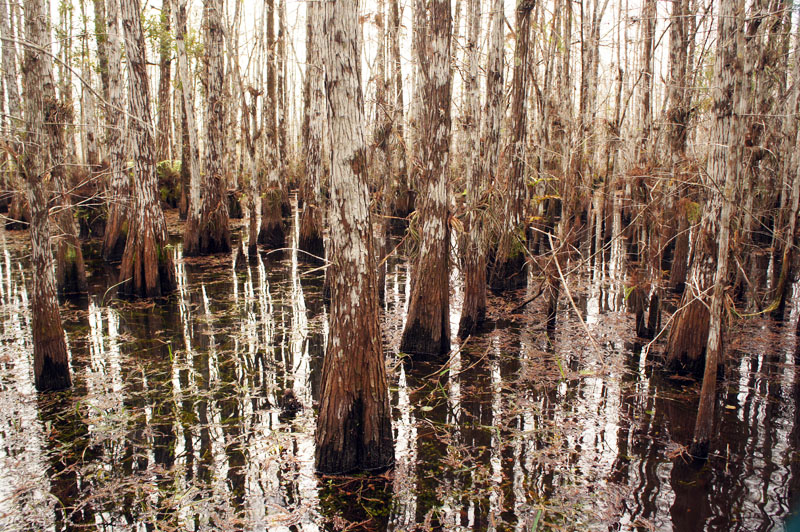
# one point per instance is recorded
(427, 330)
(691, 346)
(50, 364)
(508, 270)
(271, 233)
(119, 186)
(310, 240)
(354, 429)
(147, 269)
(209, 232)
(473, 311)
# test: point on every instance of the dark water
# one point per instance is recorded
(174, 422)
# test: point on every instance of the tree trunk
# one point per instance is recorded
(690, 339)
(725, 167)
(354, 430)
(147, 269)
(164, 81)
(427, 330)
(101, 34)
(508, 270)
(311, 219)
(17, 212)
(271, 234)
(50, 364)
(209, 232)
(119, 186)
(481, 171)
(401, 205)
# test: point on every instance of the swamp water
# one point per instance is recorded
(175, 421)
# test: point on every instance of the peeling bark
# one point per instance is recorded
(207, 229)
(427, 330)
(354, 430)
(50, 364)
(147, 269)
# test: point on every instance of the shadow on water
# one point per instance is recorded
(178, 417)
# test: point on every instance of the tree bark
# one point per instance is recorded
(164, 81)
(209, 232)
(50, 364)
(427, 330)
(508, 270)
(271, 233)
(147, 269)
(119, 186)
(480, 171)
(310, 240)
(690, 340)
(354, 430)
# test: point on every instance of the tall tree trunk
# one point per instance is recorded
(791, 174)
(50, 364)
(724, 171)
(646, 84)
(677, 122)
(164, 81)
(271, 233)
(381, 152)
(119, 185)
(101, 34)
(401, 204)
(694, 342)
(209, 232)
(17, 214)
(147, 269)
(427, 330)
(190, 153)
(70, 268)
(354, 430)
(479, 170)
(508, 270)
(311, 219)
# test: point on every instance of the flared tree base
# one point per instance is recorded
(469, 324)
(340, 458)
(146, 270)
(70, 277)
(422, 343)
(211, 237)
(53, 376)
(272, 235)
(115, 237)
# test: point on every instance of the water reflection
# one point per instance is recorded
(175, 419)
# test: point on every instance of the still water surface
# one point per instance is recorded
(175, 420)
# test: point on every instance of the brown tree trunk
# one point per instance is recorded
(310, 240)
(164, 81)
(354, 430)
(508, 270)
(147, 269)
(209, 232)
(483, 170)
(402, 203)
(427, 330)
(119, 186)
(690, 336)
(50, 364)
(271, 233)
